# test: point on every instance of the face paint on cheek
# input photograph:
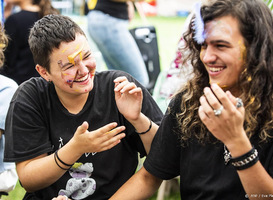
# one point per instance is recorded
(68, 77)
(242, 51)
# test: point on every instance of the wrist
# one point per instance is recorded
(142, 125)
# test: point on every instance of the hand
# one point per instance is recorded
(228, 126)
(99, 140)
(128, 98)
(61, 197)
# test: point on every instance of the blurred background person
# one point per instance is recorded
(108, 22)
(19, 64)
(8, 175)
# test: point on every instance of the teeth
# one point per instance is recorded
(215, 69)
(83, 78)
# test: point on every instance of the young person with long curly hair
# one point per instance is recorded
(217, 132)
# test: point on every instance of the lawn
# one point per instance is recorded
(168, 34)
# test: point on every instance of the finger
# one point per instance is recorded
(136, 90)
(110, 143)
(107, 128)
(82, 128)
(231, 98)
(120, 85)
(120, 79)
(129, 86)
(205, 106)
(202, 114)
(222, 96)
(211, 98)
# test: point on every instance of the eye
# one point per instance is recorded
(69, 66)
(221, 45)
(86, 55)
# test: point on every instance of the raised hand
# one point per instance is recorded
(219, 113)
(128, 98)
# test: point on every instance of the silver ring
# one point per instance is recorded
(239, 103)
(218, 111)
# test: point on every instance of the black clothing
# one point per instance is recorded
(38, 123)
(201, 167)
(112, 8)
(19, 64)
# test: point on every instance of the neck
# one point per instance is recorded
(73, 103)
(27, 5)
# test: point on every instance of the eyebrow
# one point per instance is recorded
(219, 41)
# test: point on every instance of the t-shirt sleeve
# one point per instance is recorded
(26, 133)
(8, 87)
(164, 157)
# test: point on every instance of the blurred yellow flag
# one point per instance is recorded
(91, 4)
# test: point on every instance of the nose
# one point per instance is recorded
(82, 69)
(208, 55)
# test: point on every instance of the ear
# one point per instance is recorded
(43, 72)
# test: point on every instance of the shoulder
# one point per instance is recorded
(21, 18)
(32, 87)
(7, 83)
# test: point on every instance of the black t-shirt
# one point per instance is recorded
(203, 174)
(38, 123)
(115, 9)
(19, 64)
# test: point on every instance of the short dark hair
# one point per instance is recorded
(48, 33)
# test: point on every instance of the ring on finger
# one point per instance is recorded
(239, 103)
(218, 112)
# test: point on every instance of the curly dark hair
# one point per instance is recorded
(256, 82)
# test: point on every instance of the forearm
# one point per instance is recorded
(256, 182)
(142, 124)
(139, 187)
(43, 171)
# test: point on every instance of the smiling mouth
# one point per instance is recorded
(82, 79)
(214, 69)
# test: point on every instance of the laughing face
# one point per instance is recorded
(223, 52)
(72, 67)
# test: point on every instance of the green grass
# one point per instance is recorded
(168, 34)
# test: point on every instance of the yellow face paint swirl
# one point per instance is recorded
(73, 55)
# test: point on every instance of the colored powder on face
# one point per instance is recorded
(72, 56)
(64, 50)
(242, 50)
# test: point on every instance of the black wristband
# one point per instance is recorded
(58, 163)
(245, 161)
(148, 128)
(56, 155)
